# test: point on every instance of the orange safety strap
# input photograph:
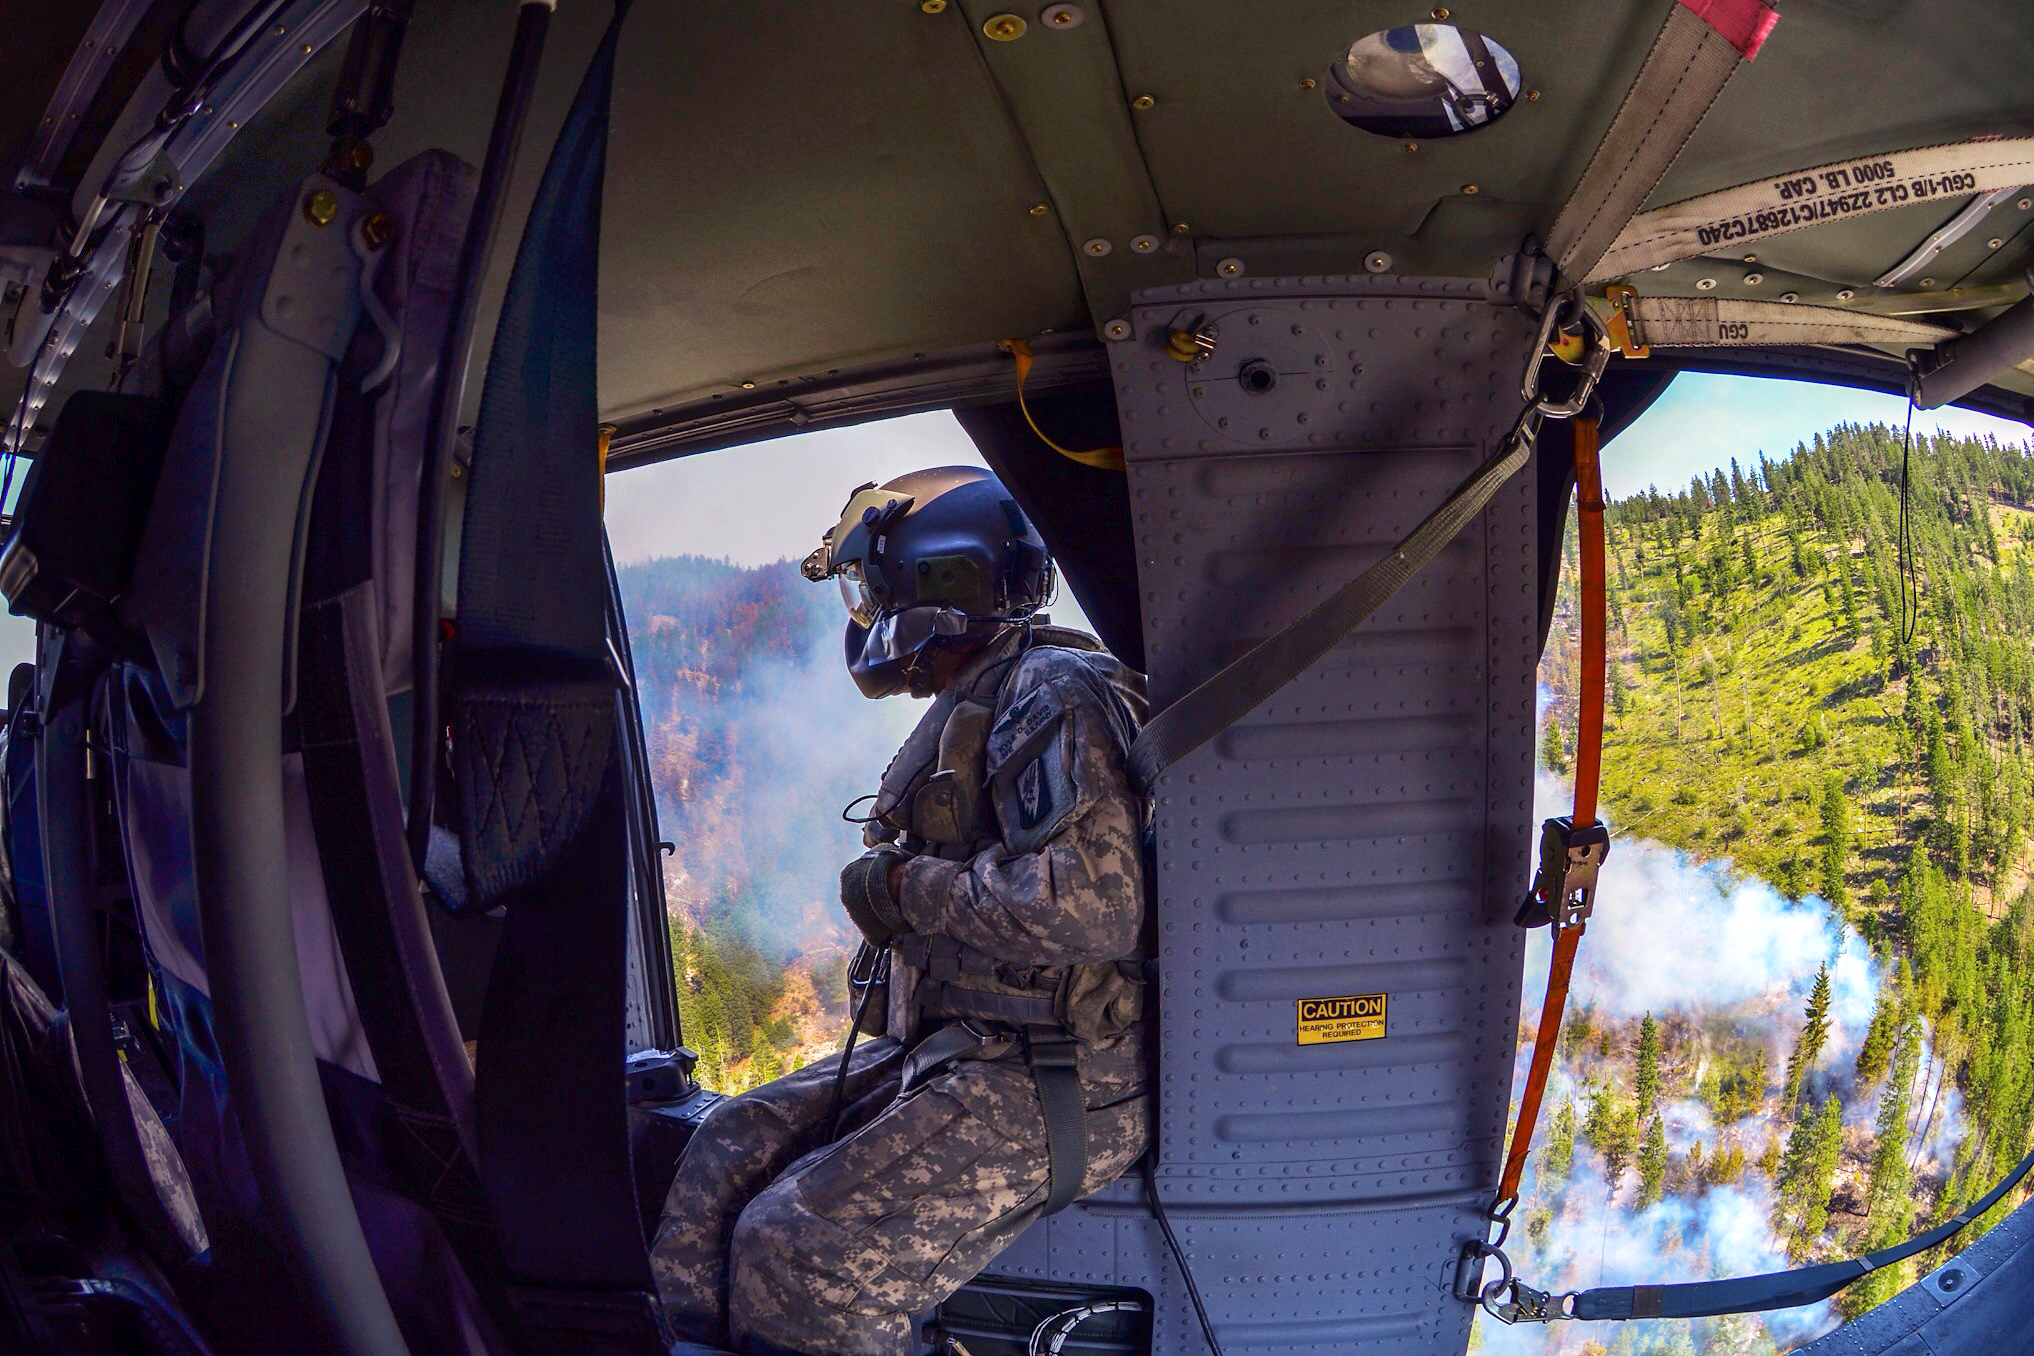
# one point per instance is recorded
(1101, 458)
(1588, 768)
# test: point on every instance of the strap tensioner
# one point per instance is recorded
(1564, 890)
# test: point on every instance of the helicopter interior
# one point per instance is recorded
(324, 320)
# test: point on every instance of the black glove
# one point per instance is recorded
(865, 893)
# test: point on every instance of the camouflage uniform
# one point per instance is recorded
(1026, 899)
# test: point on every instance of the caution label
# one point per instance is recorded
(1351, 1017)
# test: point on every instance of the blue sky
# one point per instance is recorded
(1702, 421)
(765, 502)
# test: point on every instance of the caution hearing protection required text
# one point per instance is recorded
(1352, 1017)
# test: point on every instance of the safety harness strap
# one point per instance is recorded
(543, 817)
(1734, 217)
(949, 999)
(1698, 49)
(1052, 1053)
(1231, 693)
(1050, 1049)
(1569, 921)
(1776, 1290)
(1727, 322)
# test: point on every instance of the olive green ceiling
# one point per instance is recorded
(798, 188)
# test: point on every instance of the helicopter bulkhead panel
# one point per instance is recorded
(1337, 872)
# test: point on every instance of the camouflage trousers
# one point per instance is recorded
(774, 1240)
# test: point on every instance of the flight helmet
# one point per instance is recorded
(937, 558)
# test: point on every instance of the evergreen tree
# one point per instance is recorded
(1877, 1049)
(1652, 1163)
(1814, 1035)
(1553, 748)
(1835, 841)
(1646, 1083)
(1890, 1180)
(1806, 1176)
(1613, 1128)
(1560, 1160)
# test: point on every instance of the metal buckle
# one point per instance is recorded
(1526, 1304)
(1586, 853)
(1050, 1048)
(1618, 323)
(1564, 889)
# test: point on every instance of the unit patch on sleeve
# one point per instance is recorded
(1351, 1017)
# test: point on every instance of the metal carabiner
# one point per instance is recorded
(1595, 357)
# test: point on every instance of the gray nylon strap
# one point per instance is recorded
(1682, 75)
(1727, 322)
(1240, 686)
(1858, 186)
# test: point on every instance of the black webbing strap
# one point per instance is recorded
(357, 819)
(1780, 1289)
(1240, 686)
(1050, 1049)
(543, 819)
(1052, 1052)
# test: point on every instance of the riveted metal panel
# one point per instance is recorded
(1362, 832)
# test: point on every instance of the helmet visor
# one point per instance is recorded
(854, 592)
(900, 635)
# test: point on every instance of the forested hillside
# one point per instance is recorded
(757, 739)
(1773, 702)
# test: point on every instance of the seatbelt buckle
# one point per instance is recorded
(1564, 890)
(1049, 1047)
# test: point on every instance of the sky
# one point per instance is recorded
(770, 501)
(1702, 421)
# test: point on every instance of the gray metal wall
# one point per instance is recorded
(1365, 831)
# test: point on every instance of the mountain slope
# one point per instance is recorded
(1771, 704)
(757, 739)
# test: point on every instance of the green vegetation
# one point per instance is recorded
(1790, 691)
(1652, 1161)
(1646, 1090)
(1612, 1128)
(1814, 1035)
(726, 991)
(1806, 1176)
(1735, 1082)
(1560, 1158)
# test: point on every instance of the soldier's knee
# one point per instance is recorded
(770, 1285)
(766, 1237)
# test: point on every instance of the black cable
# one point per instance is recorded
(1910, 584)
(848, 1053)
(532, 23)
(1179, 1260)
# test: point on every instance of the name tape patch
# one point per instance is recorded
(1350, 1017)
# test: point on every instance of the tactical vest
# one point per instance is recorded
(935, 799)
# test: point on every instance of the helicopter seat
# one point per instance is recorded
(319, 342)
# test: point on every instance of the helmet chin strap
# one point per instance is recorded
(921, 671)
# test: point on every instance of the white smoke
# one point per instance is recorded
(1680, 938)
